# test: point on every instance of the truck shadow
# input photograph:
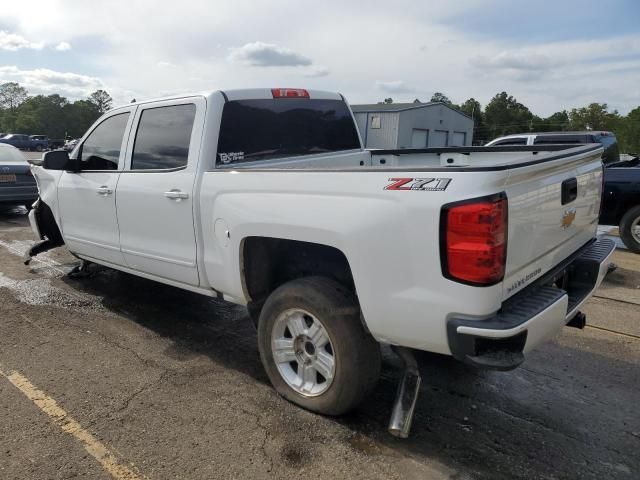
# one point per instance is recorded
(544, 420)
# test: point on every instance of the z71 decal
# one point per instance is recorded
(424, 184)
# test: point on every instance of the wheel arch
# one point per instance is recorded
(268, 262)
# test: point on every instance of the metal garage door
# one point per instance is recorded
(459, 139)
(440, 138)
(419, 138)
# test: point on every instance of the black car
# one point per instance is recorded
(621, 200)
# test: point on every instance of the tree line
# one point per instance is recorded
(57, 117)
(504, 115)
(51, 115)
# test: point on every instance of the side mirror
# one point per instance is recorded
(57, 160)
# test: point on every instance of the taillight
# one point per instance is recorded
(474, 240)
(289, 93)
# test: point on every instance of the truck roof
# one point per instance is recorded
(240, 94)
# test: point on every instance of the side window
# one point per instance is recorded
(512, 141)
(101, 149)
(375, 121)
(560, 139)
(163, 136)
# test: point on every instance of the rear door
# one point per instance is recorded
(155, 194)
(87, 201)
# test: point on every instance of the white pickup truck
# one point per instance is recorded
(266, 198)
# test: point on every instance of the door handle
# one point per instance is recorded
(176, 195)
(104, 190)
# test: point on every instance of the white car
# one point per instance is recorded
(266, 198)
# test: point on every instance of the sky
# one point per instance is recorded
(550, 55)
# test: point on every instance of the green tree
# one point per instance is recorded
(440, 97)
(473, 108)
(504, 115)
(102, 100)
(12, 95)
(595, 116)
(80, 115)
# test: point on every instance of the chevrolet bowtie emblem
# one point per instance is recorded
(568, 218)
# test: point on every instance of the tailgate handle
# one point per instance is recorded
(569, 190)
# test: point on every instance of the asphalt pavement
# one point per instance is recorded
(114, 376)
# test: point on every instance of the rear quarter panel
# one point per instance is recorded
(390, 238)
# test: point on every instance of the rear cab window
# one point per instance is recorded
(262, 129)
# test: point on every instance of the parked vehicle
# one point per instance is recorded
(55, 143)
(266, 198)
(39, 142)
(70, 144)
(621, 197)
(606, 139)
(621, 201)
(23, 142)
(17, 185)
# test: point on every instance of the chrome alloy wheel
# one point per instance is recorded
(303, 352)
(635, 229)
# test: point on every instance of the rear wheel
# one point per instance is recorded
(630, 229)
(314, 348)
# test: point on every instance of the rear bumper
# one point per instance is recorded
(533, 315)
(18, 194)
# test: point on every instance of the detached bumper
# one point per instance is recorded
(533, 315)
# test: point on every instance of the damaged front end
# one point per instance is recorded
(45, 228)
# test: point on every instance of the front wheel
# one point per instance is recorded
(630, 229)
(314, 347)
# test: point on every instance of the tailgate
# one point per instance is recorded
(553, 211)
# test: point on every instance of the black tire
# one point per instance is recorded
(632, 215)
(38, 148)
(357, 354)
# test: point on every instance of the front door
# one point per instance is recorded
(155, 194)
(87, 198)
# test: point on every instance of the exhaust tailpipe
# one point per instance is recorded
(406, 395)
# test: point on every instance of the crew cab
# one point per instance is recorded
(266, 198)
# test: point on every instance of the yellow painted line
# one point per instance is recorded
(68, 425)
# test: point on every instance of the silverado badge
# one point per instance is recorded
(568, 218)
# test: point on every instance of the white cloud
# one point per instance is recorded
(420, 50)
(315, 71)
(393, 86)
(14, 42)
(62, 47)
(45, 81)
(259, 54)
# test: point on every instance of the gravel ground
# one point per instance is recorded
(171, 384)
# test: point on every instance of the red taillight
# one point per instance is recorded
(474, 240)
(289, 93)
